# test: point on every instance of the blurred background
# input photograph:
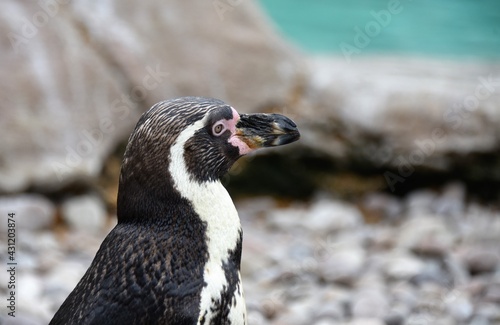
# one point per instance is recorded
(387, 211)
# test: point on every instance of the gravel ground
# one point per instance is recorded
(429, 258)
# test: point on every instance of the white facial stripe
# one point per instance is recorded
(213, 204)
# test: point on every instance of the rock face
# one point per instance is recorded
(78, 74)
(405, 115)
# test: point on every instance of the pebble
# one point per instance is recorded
(433, 272)
(403, 266)
(394, 319)
(459, 307)
(287, 219)
(331, 310)
(298, 312)
(342, 265)
(255, 317)
(326, 322)
(327, 216)
(30, 293)
(370, 304)
(493, 293)
(404, 296)
(85, 213)
(385, 206)
(20, 320)
(32, 211)
(479, 320)
(420, 202)
(489, 311)
(482, 260)
(457, 270)
(427, 235)
(366, 321)
(452, 201)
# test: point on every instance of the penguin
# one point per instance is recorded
(174, 255)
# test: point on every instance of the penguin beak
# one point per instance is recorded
(266, 130)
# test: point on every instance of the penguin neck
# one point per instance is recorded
(213, 205)
(210, 201)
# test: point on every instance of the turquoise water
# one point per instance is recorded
(450, 28)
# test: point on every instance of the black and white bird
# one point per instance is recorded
(174, 256)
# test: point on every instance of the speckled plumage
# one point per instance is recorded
(174, 256)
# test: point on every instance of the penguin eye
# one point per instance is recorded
(218, 129)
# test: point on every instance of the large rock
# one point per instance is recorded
(404, 115)
(76, 75)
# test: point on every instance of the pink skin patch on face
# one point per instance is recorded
(234, 139)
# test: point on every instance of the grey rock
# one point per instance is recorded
(489, 311)
(433, 272)
(75, 86)
(493, 293)
(405, 297)
(298, 313)
(89, 87)
(459, 307)
(287, 219)
(19, 320)
(429, 318)
(480, 225)
(255, 260)
(386, 206)
(342, 264)
(397, 93)
(479, 320)
(66, 132)
(328, 215)
(324, 321)
(32, 211)
(84, 213)
(394, 319)
(328, 311)
(370, 304)
(30, 296)
(420, 202)
(403, 266)
(366, 321)
(62, 279)
(457, 270)
(481, 259)
(255, 317)
(452, 201)
(427, 235)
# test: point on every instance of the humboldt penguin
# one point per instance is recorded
(174, 255)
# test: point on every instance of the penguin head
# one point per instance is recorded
(190, 139)
(207, 134)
